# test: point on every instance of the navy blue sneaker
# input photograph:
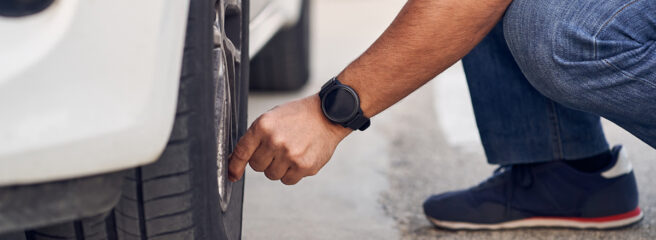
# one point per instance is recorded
(551, 194)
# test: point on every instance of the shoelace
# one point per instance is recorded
(521, 174)
(513, 174)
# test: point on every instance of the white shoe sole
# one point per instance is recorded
(614, 221)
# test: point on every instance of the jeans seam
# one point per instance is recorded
(627, 74)
(557, 142)
(603, 26)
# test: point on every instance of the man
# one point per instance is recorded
(540, 73)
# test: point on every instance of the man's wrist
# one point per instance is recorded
(335, 128)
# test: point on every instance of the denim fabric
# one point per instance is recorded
(517, 124)
(536, 96)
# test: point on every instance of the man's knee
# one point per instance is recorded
(532, 32)
(565, 48)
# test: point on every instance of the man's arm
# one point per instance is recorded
(295, 140)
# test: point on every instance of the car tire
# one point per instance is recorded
(283, 64)
(178, 196)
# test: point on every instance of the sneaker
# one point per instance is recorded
(551, 194)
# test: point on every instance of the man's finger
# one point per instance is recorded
(277, 169)
(292, 177)
(262, 157)
(242, 153)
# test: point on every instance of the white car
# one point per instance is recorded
(117, 116)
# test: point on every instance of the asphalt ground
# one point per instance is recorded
(377, 179)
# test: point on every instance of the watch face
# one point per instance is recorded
(340, 104)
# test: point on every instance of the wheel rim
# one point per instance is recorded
(226, 75)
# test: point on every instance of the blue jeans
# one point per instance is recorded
(542, 77)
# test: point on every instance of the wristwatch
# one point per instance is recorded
(341, 105)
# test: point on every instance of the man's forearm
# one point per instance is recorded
(426, 37)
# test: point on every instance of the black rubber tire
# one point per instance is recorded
(283, 64)
(177, 197)
(93, 228)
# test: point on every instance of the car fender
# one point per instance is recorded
(88, 87)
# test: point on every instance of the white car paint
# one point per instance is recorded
(88, 87)
(267, 19)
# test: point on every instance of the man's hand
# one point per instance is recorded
(288, 142)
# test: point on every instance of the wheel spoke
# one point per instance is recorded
(230, 47)
(218, 36)
(231, 4)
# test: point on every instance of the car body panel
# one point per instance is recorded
(88, 87)
(267, 18)
(256, 6)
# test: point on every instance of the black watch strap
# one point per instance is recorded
(359, 122)
(327, 85)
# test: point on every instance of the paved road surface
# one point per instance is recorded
(374, 185)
